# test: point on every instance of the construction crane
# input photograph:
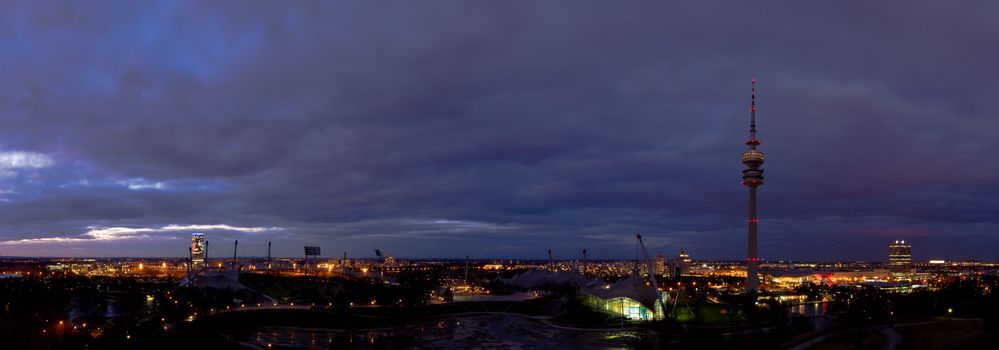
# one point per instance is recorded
(190, 261)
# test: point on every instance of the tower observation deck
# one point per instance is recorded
(752, 177)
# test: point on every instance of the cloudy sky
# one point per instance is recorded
(497, 129)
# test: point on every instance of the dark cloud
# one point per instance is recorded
(500, 129)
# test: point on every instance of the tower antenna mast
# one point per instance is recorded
(752, 117)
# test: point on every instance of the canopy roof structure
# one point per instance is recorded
(220, 280)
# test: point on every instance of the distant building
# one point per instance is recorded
(493, 266)
(797, 277)
(389, 260)
(661, 268)
(681, 265)
(198, 258)
(900, 257)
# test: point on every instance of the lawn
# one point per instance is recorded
(957, 334)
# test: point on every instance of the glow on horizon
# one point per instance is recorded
(103, 234)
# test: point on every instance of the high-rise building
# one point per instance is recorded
(661, 265)
(900, 256)
(752, 177)
(198, 250)
(681, 265)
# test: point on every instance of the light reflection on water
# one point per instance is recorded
(810, 309)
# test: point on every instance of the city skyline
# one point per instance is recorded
(496, 131)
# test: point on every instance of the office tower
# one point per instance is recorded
(899, 257)
(681, 264)
(661, 265)
(198, 258)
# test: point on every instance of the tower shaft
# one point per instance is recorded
(752, 257)
(752, 177)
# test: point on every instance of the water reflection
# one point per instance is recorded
(810, 309)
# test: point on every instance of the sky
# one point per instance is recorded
(498, 129)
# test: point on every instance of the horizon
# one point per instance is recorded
(555, 257)
(404, 258)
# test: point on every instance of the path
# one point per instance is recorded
(892, 338)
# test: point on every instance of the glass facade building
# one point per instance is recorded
(198, 251)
